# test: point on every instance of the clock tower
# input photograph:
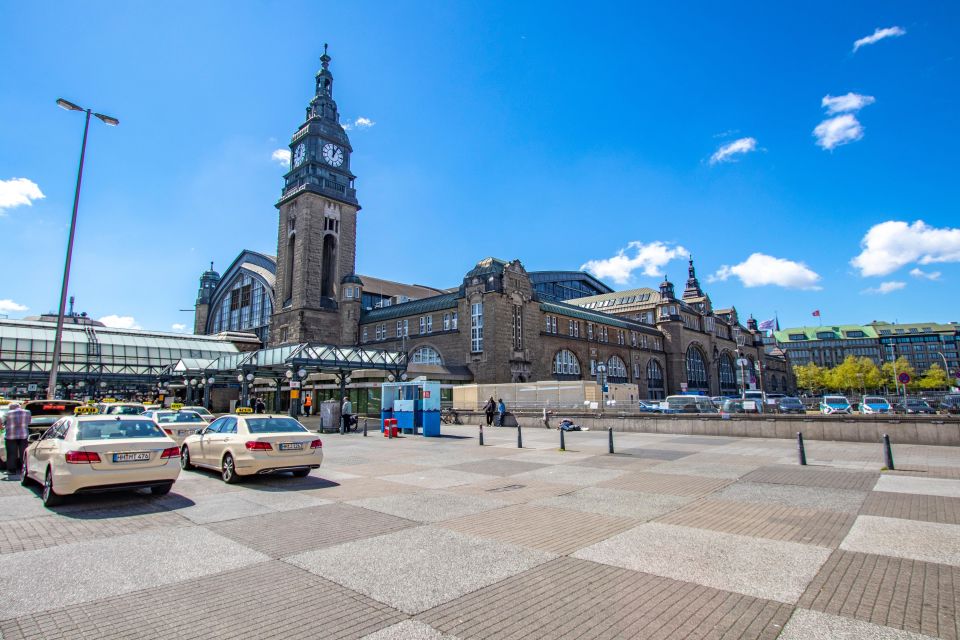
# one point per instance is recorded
(317, 238)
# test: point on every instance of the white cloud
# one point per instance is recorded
(760, 269)
(9, 306)
(878, 35)
(727, 152)
(363, 123)
(178, 327)
(281, 157)
(18, 191)
(120, 322)
(885, 288)
(929, 275)
(838, 131)
(893, 244)
(649, 258)
(846, 103)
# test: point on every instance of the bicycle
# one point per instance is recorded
(450, 416)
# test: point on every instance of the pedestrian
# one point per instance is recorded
(489, 409)
(345, 410)
(546, 418)
(261, 407)
(16, 423)
(307, 404)
(501, 412)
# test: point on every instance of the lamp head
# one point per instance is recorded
(69, 106)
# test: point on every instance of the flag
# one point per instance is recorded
(816, 313)
(767, 325)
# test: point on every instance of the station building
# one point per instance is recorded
(500, 324)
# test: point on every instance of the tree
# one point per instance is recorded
(902, 366)
(854, 375)
(809, 377)
(934, 378)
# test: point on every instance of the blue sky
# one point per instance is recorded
(613, 135)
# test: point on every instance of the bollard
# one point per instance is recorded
(563, 445)
(364, 427)
(887, 452)
(389, 428)
(519, 437)
(800, 452)
(610, 438)
(481, 435)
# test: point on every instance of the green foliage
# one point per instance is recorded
(934, 378)
(902, 366)
(809, 377)
(854, 375)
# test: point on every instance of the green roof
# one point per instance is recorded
(593, 316)
(412, 308)
(872, 330)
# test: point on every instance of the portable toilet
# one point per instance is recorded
(414, 405)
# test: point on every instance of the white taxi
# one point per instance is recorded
(240, 445)
(178, 424)
(95, 453)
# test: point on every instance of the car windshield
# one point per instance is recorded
(835, 400)
(124, 410)
(179, 416)
(916, 403)
(791, 401)
(874, 400)
(50, 408)
(274, 425)
(116, 429)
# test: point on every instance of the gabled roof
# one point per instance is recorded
(412, 308)
(565, 309)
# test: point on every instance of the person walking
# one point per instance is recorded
(546, 418)
(261, 407)
(489, 409)
(16, 424)
(307, 404)
(501, 411)
(345, 410)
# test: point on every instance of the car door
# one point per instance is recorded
(205, 443)
(47, 448)
(218, 442)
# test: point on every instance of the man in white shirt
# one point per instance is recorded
(345, 410)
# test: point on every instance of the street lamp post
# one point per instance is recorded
(55, 364)
(602, 381)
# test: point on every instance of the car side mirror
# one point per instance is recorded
(33, 437)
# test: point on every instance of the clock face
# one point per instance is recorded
(299, 155)
(332, 154)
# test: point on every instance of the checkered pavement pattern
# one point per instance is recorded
(671, 537)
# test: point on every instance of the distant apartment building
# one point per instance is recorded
(922, 343)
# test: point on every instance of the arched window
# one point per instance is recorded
(329, 273)
(288, 281)
(426, 355)
(565, 363)
(727, 375)
(773, 383)
(655, 380)
(696, 369)
(783, 382)
(616, 370)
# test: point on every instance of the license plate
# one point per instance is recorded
(131, 457)
(181, 432)
(291, 446)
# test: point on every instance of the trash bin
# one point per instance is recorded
(329, 415)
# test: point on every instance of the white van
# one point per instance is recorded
(690, 404)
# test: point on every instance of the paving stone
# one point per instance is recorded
(616, 502)
(430, 506)
(645, 453)
(925, 486)
(912, 595)
(553, 456)
(709, 441)
(617, 461)
(497, 466)
(358, 488)
(306, 529)
(283, 500)
(769, 569)
(378, 469)
(926, 471)
(545, 528)
(811, 476)
(671, 484)
(846, 500)
(45, 531)
(437, 478)
(771, 521)
(688, 467)
(577, 475)
(815, 625)
(570, 598)
(912, 507)
(224, 507)
(420, 568)
(927, 541)
(409, 630)
(232, 604)
(22, 505)
(114, 565)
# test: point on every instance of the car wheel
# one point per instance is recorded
(228, 470)
(185, 463)
(301, 473)
(49, 496)
(162, 489)
(24, 479)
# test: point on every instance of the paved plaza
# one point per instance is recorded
(671, 537)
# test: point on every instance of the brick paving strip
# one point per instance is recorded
(570, 598)
(814, 477)
(912, 507)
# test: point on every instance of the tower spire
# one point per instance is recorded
(692, 289)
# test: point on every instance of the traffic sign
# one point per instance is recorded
(31, 387)
(904, 378)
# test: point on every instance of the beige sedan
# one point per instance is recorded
(177, 424)
(244, 445)
(95, 453)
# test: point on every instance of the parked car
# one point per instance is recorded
(203, 411)
(737, 405)
(950, 404)
(123, 409)
(835, 405)
(43, 413)
(875, 404)
(789, 404)
(94, 453)
(690, 404)
(912, 406)
(253, 444)
(654, 407)
(177, 424)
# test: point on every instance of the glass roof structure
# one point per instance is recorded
(275, 361)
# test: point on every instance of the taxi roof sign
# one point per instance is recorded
(244, 410)
(176, 406)
(84, 411)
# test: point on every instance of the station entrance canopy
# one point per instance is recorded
(276, 361)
